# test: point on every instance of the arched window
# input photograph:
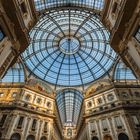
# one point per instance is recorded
(69, 132)
(94, 138)
(43, 138)
(123, 136)
(30, 137)
(15, 136)
(114, 8)
(34, 124)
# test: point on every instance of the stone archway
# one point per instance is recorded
(123, 136)
(15, 136)
(94, 138)
(30, 137)
(43, 138)
(107, 137)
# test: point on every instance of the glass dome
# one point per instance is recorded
(69, 47)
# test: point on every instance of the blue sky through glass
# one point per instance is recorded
(15, 74)
(48, 59)
(122, 72)
(45, 4)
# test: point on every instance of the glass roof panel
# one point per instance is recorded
(69, 103)
(45, 4)
(15, 74)
(122, 72)
(72, 56)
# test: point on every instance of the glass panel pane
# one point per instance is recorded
(45, 4)
(69, 104)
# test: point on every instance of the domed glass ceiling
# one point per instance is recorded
(69, 47)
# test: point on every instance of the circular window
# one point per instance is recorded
(110, 97)
(125, 95)
(69, 48)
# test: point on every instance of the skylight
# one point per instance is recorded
(69, 48)
(122, 72)
(15, 74)
(69, 103)
(45, 4)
